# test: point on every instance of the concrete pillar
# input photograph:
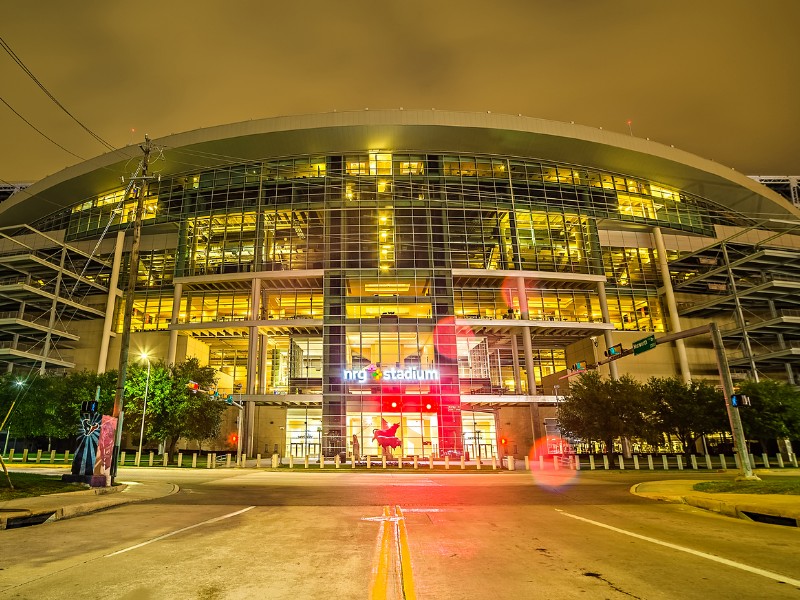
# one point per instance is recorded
(527, 346)
(172, 350)
(113, 292)
(672, 307)
(609, 339)
(262, 364)
(515, 364)
(249, 407)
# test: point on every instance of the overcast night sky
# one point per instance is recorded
(718, 78)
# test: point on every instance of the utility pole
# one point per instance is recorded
(133, 270)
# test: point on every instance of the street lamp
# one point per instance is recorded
(144, 408)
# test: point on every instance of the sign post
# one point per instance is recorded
(644, 344)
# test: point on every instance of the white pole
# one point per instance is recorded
(144, 408)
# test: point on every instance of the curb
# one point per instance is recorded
(69, 511)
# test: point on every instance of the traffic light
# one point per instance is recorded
(579, 366)
(740, 400)
(89, 406)
(615, 350)
(229, 399)
(503, 441)
(233, 439)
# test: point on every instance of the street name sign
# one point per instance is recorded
(644, 344)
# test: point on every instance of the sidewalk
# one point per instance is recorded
(54, 507)
(774, 508)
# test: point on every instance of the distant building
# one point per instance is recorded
(438, 270)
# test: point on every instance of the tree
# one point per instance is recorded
(774, 411)
(688, 411)
(605, 409)
(173, 411)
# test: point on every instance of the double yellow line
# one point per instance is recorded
(392, 570)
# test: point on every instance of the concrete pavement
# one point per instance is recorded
(776, 508)
(53, 507)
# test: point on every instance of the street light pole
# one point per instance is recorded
(144, 408)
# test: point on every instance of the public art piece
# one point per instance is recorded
(88, 436)
(105, 451)
(386, 437)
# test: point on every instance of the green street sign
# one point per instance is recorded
(644, 344)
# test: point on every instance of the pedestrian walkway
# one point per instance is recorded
(777, 509)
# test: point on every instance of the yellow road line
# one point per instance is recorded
(406, 575)
(380, 570)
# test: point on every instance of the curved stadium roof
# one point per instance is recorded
(406, 130)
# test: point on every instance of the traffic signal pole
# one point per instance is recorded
(739, 440)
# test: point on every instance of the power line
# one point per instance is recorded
(28, 72)
(39, 131)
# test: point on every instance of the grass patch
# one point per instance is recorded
(784, 486)
(27, 485)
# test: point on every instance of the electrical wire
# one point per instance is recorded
(39, 131)
(33, 77)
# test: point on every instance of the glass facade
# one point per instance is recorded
(363, 265)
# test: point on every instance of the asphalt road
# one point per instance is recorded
(342, 535)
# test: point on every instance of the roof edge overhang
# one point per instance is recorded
(399, 130)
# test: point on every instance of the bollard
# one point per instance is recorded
(752, 461)
(369, 461)
(512, 463)
(11, 455)
(555, 463)
(194, 460)
(764, 458)
(228, 460)
(635, 462)
(621, 460)
(416, 462)
(778, 457)
(305, 461)
(708, 462)
(258, 460)
(793, 458)
(274, 462)
(494, 463)
(605, 462)
(447, 463)
(180, 459)
(25, 455)
(591, 462)
(527, 463)
(722, 464)
(213, 460)
(463, 463)
(166, 459)
(541, 463)
(430, 460)
(152, 457)
(137, 459)
(478, 463)
(208, 461)
(66, 456)
(666, 462)
(353, 462)
(679, 458)
(337, 460)
(693, 460)
(321, 461)
(243, 463)
(400, 461)
(38, 456)
(383, 462)
(291, 461)
(53, 456)
(737, 461)
(121, 458)
(650, 461)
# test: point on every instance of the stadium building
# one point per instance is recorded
(442, 271)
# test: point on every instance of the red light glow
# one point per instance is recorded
(544, 472)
